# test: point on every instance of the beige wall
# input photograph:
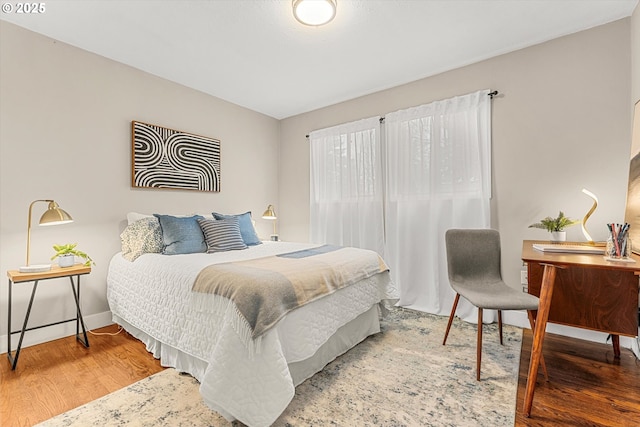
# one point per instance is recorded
(560, 123)
(65, 117)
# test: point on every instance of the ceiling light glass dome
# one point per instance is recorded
(314, 12)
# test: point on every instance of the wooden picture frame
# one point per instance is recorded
(170, 159)
(632, 211)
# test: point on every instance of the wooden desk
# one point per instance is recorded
(591, 293)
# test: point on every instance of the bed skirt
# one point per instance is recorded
(346, 337)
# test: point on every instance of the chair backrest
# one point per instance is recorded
(473, 255)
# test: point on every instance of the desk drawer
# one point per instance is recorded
(591, 298)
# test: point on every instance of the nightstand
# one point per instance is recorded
(16, 277)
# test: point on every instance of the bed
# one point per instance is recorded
(245, 377)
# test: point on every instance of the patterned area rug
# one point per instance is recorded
(403, 376)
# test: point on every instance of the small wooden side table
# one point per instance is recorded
(16, 277)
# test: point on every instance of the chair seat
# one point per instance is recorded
(496, 296)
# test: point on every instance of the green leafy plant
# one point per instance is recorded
(555, 224)
(70, 249)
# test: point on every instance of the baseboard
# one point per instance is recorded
(38, 336)
(635, 347)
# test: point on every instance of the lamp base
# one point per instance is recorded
(35, 268)
(274, 237)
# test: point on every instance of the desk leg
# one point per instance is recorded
(79, 319)
(615, 339)
(546, 291)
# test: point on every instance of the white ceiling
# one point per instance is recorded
(255, 54)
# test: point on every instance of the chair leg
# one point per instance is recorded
(532, 322)
(500, 325)
(479, 349)
(453, 312)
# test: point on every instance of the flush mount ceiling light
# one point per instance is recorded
(314, 12)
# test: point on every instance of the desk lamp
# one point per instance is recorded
(588, 214)
(52, 216)
(270, 213)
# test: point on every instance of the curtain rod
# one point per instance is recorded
(491, 95)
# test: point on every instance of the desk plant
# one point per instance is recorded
(556, 226)
(69, 252)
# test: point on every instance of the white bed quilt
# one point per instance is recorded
(254, 386)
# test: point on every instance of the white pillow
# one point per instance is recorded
(135, 216)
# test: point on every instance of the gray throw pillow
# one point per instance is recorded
(222, 235)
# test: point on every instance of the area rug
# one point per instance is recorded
(403, 376)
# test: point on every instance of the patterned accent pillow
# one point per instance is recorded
(222, 235)
(247, 231)
(141, 237)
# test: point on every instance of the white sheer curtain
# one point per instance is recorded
(346, 185)
(438, 177)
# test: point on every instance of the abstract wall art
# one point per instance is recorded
(167, 158)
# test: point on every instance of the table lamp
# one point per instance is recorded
(270, 213)
(52, 216)
(588, 214)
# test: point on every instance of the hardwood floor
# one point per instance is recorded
(53, 377)
(587, 386)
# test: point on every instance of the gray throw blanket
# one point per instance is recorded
(265, 289)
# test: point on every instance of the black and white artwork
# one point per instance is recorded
(167, 158)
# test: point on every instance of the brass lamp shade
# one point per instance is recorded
(270, 213)
(54, 215)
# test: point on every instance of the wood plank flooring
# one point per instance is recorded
(587, 386)
(53, 377)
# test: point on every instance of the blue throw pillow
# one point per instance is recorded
(181, 235)
(247, 231)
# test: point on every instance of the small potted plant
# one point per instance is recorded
(556, 226)
(66, 255)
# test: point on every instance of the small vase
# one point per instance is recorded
(558, 236)
(66, 260)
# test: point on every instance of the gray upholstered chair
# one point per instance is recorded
(473, 260)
